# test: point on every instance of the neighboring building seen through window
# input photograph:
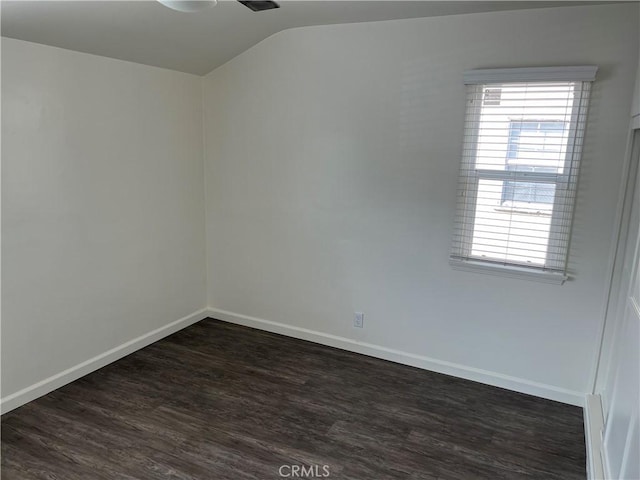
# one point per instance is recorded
(529, 141)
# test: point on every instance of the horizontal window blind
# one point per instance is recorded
(518, 177)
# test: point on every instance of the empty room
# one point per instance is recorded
(344, 240)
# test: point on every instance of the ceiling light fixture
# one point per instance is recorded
(188, 5)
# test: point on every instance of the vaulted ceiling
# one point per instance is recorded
(150, 33)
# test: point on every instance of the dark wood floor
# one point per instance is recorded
(219, 401)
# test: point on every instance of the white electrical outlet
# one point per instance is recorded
(358, 319)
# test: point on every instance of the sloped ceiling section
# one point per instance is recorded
(147, 32)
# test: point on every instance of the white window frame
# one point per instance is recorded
(554, 270)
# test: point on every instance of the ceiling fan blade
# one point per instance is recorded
(259, 5)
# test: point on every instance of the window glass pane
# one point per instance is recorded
(512, 221)
(517, 193)
(536, 144)
(524, 124)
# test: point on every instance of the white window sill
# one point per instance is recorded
(509, 271)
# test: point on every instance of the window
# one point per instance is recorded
(522, 143)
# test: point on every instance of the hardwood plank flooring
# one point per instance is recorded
(219, 401)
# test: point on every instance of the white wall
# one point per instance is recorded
(332, 156)
(102, 206)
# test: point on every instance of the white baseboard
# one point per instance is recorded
(593, 424)
(58, 380)
(470, 373)
(47, 385)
